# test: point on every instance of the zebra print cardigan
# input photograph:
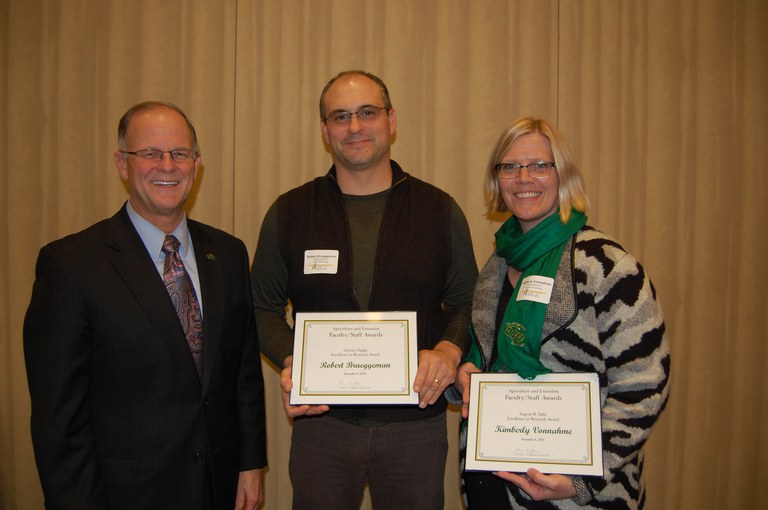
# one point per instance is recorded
(603, 317)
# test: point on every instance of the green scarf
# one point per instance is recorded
(534, 253)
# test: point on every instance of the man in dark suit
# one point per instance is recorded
(146, 389)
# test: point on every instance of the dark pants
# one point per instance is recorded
(485, 491)
(403, 464)
(209, 502)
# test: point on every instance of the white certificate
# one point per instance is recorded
(355, 358)
(551, 423)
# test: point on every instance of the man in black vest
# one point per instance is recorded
(402, 244)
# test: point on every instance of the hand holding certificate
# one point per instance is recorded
(354, 358)
(551, 423)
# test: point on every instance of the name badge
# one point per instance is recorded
(536, 288)
(321, 261)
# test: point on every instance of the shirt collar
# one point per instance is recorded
(153, 237)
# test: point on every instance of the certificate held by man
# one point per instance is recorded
(355, 358)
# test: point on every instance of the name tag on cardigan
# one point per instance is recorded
(321, 261)
(536, 288)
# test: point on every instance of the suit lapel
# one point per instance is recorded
(130, 259)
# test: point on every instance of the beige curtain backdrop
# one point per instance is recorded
(664, 103)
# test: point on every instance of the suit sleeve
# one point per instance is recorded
(58, 351)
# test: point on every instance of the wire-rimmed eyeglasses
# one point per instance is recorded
(537, 170)
(364, 114)
(178, 155)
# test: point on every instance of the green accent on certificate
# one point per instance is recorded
(551, 423)
(354, 358)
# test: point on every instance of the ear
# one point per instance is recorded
(392, 117)
(198, 160)
(121, 165)
(324, 131)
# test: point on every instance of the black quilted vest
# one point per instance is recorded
(412, 257)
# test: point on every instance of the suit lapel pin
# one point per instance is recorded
(211, 257)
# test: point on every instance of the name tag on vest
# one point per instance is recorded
(321, 261)
(536, 288)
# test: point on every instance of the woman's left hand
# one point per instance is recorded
(542, 487)
(462, 385)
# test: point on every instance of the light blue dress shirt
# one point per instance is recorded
(153, 239)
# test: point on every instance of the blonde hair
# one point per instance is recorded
(571, 184)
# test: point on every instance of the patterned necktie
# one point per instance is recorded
(182, 293)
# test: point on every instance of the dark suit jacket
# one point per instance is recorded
(120, 418)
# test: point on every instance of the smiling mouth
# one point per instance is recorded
(528, 194)
(165, 183)
(356, 141)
